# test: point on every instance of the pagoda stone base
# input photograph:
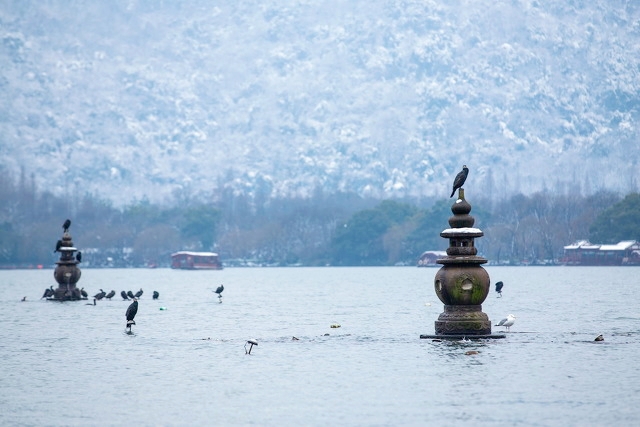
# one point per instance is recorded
(463, 320)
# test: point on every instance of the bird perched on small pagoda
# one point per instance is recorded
(79, 257)
(58, 246)
(66, 225)
(131, 313)
(458, 182)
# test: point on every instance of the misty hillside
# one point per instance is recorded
(147, 98)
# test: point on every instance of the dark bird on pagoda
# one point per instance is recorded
(110, 295)
(131, 313)
(219, 290)
(155, 294)
(79, 257)
(48, 292)
(458, 182)
(139, 293)
(83, 293)
(100, 295)
(123, 294)
(499, 286)
(66, 225)
(130, 294)
(58, 246)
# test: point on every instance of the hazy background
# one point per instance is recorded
(276, 130)
(165, 99)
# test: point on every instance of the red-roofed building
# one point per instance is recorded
(583, 252)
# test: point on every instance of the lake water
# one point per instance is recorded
(72, 364)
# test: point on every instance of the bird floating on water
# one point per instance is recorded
(459, 180)
(499, 286)
(131, 314)
(599, 338)
(507, 322)
(155, 294)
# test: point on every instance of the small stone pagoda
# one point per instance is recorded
(67, 272)
(461, 283)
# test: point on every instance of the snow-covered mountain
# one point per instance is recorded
(147, 98)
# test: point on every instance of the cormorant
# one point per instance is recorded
(123, 294)
(24, 298)
(66, 225)
(499, 286)
(219, 290)
(110, 295)
(79, 257)
(84, 293)
(58, 246)
(155, 294)
(48, 292)
(507, 322)
(100, 295)
(139, 293)
(130, 294)
(131, 313)
(460, 179)
(598, 338)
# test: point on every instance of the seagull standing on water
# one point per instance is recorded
(507, 322)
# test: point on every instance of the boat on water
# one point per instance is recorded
(187, 260)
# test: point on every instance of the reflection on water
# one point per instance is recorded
(185, 363)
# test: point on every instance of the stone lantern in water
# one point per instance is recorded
(67, 272)
(462, 284)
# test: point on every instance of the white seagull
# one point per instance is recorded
(507, 321)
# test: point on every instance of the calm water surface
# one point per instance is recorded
(72, 364)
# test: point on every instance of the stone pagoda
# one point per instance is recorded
(462, 284)
(67, 272)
